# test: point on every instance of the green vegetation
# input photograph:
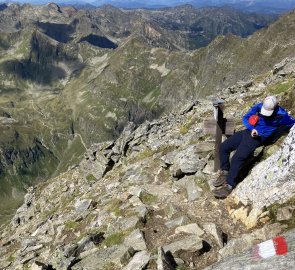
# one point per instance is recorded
(148, 198)
(164, 149)
(71, 225)
(90, 178)
(114, 207)
(186, 127)
(273, 210)
(114, 239)
(181, 267)
(110, 266)
(280, 88)
(202, 183)
(11, 258)
(49, 213)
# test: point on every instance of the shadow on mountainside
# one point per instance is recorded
(59, 32)
(99, 41)
(30, 71)
(4, 45)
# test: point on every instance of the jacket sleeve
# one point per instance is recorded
(287, 120)
(252, 111)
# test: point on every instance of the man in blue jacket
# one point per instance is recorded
(261, 121)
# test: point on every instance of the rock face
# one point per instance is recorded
(247, 260)
(271, 181)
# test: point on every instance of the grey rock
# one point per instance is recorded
(215, 231)
(171, 209)
(28, 257)
(188, 183)
(245, 260)
(187, 161)
(30, 249)
(169, 157)
(135, 201)
(39, 266)
(7, 120)
(160, 191)
(82, 205)
(245, 241)
(176, 222)
(188, 107)
(127, 223)
(271, 181)
(205, 148)
(117, 255)
(209, 168)
(190, 243)
(5, 264)
(285, 213)
(70, 250)
(26, 211)
(141, 131)
(193, 191)
(46, 228)
(135, 240)
(285, 67)
(182, 183)
(190, 229)
(61, 262)
(135, 191)
(163, 261)
(139, 261)
(142, 212)
(28, 242)
(278, 67)
(121, 143)
(245, 84)
(237, 245)
(95, 163)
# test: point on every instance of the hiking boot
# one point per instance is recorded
(221, 178)
(223, 192)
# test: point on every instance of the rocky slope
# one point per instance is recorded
(69, 78)
(143, 201)
(66, 74)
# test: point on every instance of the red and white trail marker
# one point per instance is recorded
(270, 248)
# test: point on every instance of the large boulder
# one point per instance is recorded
(271, 181)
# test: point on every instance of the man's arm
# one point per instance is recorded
(252, 111)
(287, 120)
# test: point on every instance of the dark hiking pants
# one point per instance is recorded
(245, 145)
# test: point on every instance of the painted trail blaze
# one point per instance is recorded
(270, 248)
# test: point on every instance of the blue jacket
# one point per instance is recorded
(267, 125)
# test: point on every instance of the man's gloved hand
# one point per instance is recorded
(254, 133)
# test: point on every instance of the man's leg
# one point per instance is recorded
(226, 148)
(229, 145)
(245, 149)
